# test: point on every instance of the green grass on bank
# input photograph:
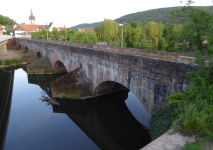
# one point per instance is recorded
(200, 144)
(12, 61)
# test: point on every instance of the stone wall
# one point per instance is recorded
(150, 79)
(10, 43)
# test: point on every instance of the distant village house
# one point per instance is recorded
(88, 28)
(24, 30)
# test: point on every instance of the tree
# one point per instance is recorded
(6, 21)
(41, 34)
(134, 35)
(64, 35)
(85, 37)
(97, 31)
(161, 44)
(8, 31)
(70, 33)
(55, 34)
(210, 38)
(198, 21)
(172, 34)
(108, 30)
(154, 30)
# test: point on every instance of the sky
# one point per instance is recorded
(71, 13)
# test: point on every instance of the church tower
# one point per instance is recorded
(31, 18)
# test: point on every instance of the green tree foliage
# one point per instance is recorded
(161, 44)
(8, 31)
(134, 35)
(198, 21)
(172, 35)
(70, 33)
(64, 35)
(108, 30)
(41, 34)
(6, 21)
(154, 31)
(85, 37)
(55, 34)
(210, 38)
(97, 31)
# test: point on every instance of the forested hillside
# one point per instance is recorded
(85, 25)
(156, 15)
(6, 20)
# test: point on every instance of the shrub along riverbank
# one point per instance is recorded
(190, 112)
(12, 62)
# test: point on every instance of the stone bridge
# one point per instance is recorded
(150, 79)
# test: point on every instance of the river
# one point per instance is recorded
(114, 121)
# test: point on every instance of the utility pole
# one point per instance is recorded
(122, 34)
(47, 31)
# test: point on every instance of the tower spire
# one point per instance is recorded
(31, 17)
(31, 12)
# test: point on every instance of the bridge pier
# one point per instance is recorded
(73, 85)
(3, 48)
(40, 66)
(29, 57)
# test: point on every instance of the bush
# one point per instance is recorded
(84, 37)
(161, 44)
(194, 114)
(1, 63)
(161, 122)
(12, 61)
(7, 62)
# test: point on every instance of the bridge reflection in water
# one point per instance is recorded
(105, 119)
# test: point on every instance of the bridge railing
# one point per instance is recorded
(135, 51)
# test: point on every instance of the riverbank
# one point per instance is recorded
(12, 54)
(12, 59)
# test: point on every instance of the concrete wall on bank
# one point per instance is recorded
(150, 79)
(3, 48)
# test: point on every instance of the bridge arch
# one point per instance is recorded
(107, 87)
(59, 67)
(38, 55)
(133, 103)
(26, 50)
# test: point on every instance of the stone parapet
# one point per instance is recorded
(143, 52)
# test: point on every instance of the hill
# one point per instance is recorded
(157, 15)
(6, 20)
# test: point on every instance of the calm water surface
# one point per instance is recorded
(35, 126)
